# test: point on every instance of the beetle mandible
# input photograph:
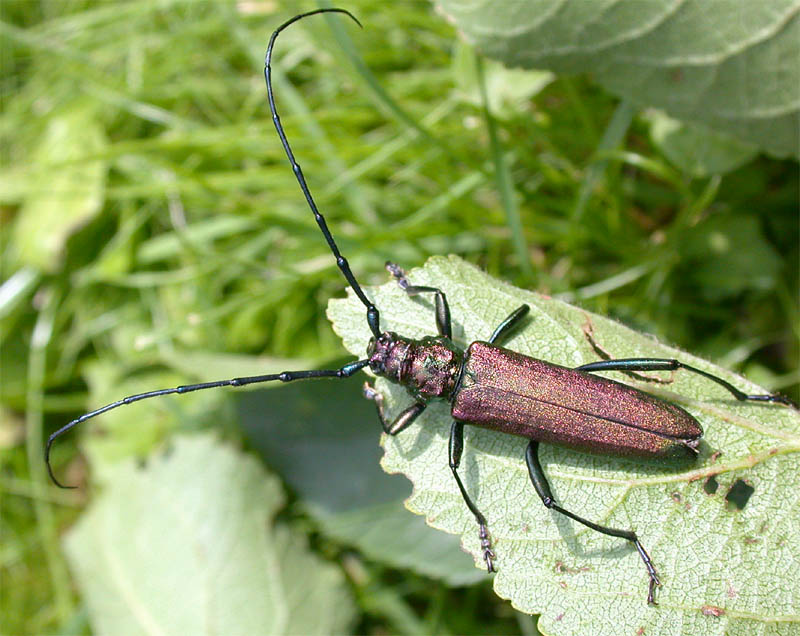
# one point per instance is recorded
(491, 387)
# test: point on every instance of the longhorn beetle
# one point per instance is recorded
(492, 387)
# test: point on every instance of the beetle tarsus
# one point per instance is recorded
(398, 272)
(371, 394)
(775, 398)
(486, 546)
(651, 570)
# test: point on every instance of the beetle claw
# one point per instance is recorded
(488, 555)
(486, 544)
(651, 592)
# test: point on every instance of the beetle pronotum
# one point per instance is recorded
(491, 387)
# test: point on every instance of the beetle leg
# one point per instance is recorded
(456, 449)
(443, 324)
(588, 331)
(543, 490)
(509, 323)
(666, 364)
(402, 421)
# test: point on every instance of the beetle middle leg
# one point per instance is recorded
(543, 490)
(456, 450)
(509, 324)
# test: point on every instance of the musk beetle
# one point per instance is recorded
(492, 387)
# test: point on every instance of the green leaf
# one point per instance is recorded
(507, 89)
(708, 555)
(187, 545)
(728, 63)
(66, 188)
(727, 254)
(696, 149)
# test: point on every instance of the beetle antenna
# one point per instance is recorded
(287, 376)
(373, 317)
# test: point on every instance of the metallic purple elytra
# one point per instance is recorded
(512, 393)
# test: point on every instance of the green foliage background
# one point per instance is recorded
(152, 234)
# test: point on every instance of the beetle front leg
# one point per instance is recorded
(402, 421)
(443, 323)
(543, 490)
(456, 449)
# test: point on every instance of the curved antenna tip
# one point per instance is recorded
(300, 17)
(327, 10)
(355, 19)
(338, 10)
(50, 441)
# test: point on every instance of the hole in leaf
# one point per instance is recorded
(711, 485)
(739, 494)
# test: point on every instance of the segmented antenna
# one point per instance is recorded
(373, 317)
(287, 376)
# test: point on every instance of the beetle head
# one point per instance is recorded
(386, 353)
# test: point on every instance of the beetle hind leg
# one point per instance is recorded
(543, 490)
(456, 450)
(670, 364)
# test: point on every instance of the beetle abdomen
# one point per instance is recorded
(512, 393)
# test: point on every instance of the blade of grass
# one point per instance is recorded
(502, 177)
(46, 528)
(385, 152)
(612, 137)
(383, 98)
